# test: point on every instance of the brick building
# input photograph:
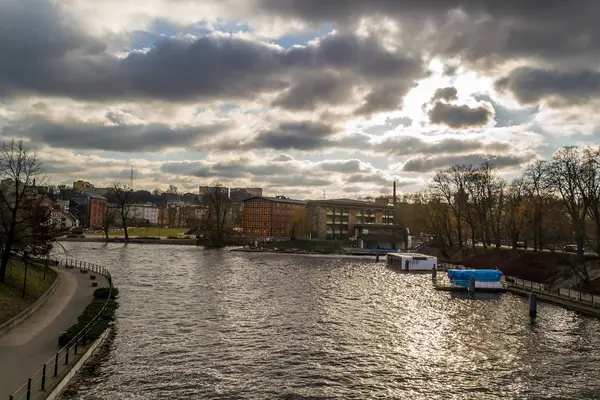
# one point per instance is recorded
(89, 209)
(337, 219)
(270, 216)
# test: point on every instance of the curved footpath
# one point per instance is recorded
(26, 347)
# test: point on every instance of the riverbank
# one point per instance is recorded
(146, 240)
(11, 292)
(535, 266)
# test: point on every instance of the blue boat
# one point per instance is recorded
(485, 279)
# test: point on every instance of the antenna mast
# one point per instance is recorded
(131, 179)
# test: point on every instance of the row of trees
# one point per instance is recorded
(215, 204)
(553, 202)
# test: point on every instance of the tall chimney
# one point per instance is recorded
(394, 200)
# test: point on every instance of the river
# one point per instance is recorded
(224, 325)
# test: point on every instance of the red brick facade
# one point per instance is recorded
(97, 211)
(269, 217)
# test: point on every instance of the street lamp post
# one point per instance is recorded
(25, 275)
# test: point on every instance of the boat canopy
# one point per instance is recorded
(481, 275)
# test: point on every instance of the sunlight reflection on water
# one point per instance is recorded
(222, 325)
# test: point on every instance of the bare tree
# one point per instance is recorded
(514, 211)
(172, 190)
(108, 219)
(218, 206)
(450, 185)
(123, 197)
(24, 223)
(590, 190)
(565, 175)
(536, 178)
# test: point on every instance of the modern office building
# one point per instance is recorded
(270, 216)
(337, 218)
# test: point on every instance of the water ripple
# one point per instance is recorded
(220, 325)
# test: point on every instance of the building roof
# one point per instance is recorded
(349, 202)
(275, 199)
(94, 196)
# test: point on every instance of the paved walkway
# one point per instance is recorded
(25, 348)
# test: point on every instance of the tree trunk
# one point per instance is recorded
(124, 220)
(4, 262)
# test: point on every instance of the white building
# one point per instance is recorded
(64, 220)
(147, 213)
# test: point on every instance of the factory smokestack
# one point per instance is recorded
(394, 199)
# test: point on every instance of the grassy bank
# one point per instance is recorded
(151, 231)
(11, 291)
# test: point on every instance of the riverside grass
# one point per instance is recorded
(11, 291)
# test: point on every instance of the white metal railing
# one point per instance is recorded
(563, 293)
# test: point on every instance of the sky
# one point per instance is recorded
(300, 97)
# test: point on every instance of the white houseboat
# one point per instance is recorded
(411, 261)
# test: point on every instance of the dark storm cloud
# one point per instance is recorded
(347, 166)
(505, 116)
(199, 169)
(367, 178)
(121, 138)
(410, 145)
(430, 164)
(315, 89)
(448, 93)
(293, 135)
(478, 30)
(57, 58)
(530, 85)
(458, 117)
(298, 180)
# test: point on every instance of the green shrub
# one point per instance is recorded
(90, 312)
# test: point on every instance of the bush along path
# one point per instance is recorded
(97, 317)
(101, 310)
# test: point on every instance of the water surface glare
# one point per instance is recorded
(223, 325)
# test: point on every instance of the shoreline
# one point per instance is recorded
(188, 242)
(192, 242)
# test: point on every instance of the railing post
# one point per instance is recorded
(44, 377)
(56, 364)
(67, 355)
(28, 397)
(76, 342)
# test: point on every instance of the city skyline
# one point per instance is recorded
(295, 97)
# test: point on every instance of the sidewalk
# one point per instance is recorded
(25, 348)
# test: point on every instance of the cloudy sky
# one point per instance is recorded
(296, 96)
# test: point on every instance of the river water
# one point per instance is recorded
(195, 324)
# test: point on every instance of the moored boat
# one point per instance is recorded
(478, 280)
(411, 261)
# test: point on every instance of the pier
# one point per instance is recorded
(586, 303)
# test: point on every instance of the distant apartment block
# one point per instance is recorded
(143, 213)
(204, 190)
(337, 219)
(269, 216)
(84, 186)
